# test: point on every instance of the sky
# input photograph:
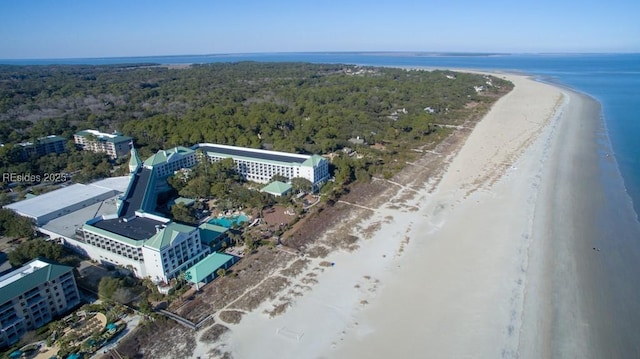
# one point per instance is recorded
(116, 28)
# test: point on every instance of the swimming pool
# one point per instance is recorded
(229, 221)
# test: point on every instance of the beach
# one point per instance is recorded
(499, 258)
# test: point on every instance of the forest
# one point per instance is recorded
(293, 107)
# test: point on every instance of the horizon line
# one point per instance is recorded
(368, 52)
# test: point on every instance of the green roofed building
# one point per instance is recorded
(148, 245)
(277, 188)
(43, 146)
(165, 162)
(205, 270)
(152, 246)
(32, 295)
(113, 144)
(212, 235)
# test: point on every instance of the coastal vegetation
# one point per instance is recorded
(295, 107)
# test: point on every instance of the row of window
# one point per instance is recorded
(122, 249)
(169, 168)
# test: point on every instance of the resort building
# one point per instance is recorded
(115, 221)
(137, 238)
(165, 162)
(113, 144)
(43, 146)
(149, 246)
(261, 165)
(33, 295)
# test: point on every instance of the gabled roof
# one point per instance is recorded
(313, 161)
(277, 188)
(29, 276)
(206, 266)
(163, 156)
(167, 235)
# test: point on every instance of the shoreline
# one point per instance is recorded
(472, 265)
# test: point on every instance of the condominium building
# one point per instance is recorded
(33, 295)
(113, 144)
(261, 165)
(43, 146)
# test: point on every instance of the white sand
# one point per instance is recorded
(458, 288)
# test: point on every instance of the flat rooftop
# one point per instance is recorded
(66, 225)
(232, 151)
(139, 228)
(60, 199)
(17, 274)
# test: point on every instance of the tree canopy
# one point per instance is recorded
(292, 107)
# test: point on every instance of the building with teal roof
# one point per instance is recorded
(115, 145)
(32, 295)
(43, 146)
(166, 162)
(277, 188)
(137, 237)
(205, 270)
(152, 246)
(213, 235)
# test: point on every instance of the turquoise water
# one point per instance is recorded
(228, 222)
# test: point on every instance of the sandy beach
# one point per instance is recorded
(484, 268)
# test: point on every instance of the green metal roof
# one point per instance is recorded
(167, 235)
(210, 232)
(313, 161)
(163, 156)
(206, 266)
(277, 188)
(30, 280)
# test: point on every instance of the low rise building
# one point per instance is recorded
(33, 295)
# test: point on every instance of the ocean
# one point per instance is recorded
(612, 79)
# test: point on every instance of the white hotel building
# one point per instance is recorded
(261, 165)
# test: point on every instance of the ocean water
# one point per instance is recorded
(613, 79)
